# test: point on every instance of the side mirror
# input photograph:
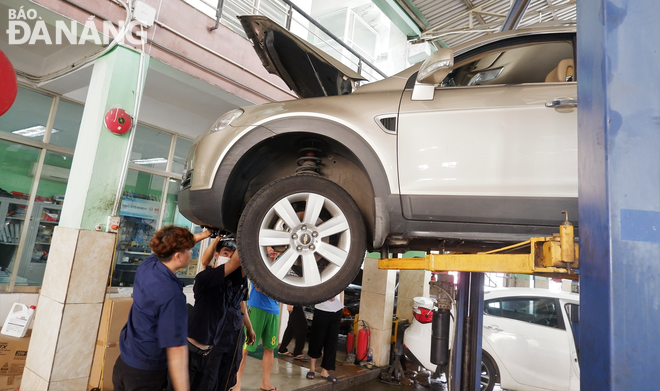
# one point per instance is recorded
(436, 67)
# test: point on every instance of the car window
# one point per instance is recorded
(541, 311)
(532, 63)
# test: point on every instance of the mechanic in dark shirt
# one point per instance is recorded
(215, 327)
(154, 337)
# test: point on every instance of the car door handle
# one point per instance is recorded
(561, 103)
(493, 328)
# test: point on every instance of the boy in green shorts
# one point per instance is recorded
(265, 319)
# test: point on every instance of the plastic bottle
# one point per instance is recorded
(18, 320)
(370, 355)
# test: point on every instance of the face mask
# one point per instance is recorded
(221, 261)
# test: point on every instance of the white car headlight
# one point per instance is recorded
(225, 120)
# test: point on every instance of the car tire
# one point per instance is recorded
(326, 249)
(488, 373)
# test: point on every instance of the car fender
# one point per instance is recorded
(377, 218)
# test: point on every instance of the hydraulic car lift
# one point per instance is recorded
(555, 256)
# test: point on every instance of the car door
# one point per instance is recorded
(487, 148)
(572, 319)
(528, 337)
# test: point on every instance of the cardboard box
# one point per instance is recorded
(13, 352)
(113, 319)
(10, 383)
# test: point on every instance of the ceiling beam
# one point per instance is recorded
(463, 15)
(470, 6)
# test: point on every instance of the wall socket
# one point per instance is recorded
(113, 224)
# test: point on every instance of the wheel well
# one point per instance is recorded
(492, 360)
(276, 157)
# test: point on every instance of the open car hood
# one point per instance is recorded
(307, 70)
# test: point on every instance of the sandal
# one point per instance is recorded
(331, 379)
(310, 375)
(287, 353)
(302, 357)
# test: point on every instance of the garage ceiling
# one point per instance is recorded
(452, 22)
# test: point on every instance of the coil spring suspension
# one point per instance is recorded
(309, 160)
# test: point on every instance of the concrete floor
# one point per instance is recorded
(289, 374)
(377, 385)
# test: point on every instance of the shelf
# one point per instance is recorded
(48, 222)
(9, 243)
(15, 218)
(42, 243)
(136, 253)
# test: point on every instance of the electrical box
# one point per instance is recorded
(144, 14)
(113, 224)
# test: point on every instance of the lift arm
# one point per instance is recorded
(555, 256)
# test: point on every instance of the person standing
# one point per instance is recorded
(265, 318)
(296, 328)
(324, 337)
(154, 340)
(215, 335)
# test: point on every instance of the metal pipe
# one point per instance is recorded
(139, 90)
(331, 35)
(218, 15)
(516, 13)
(289, 17)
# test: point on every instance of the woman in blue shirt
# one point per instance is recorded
(154, 338)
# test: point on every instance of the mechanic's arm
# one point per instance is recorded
(250, 336)
(177, 365)
(232, 264)
(207, 256)
(202, 235)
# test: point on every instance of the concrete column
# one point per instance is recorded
(412, 283)
(541, 282)
(376, 308)
(518, 280)
(69, 309)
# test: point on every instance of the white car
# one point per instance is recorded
(530, 340)
(471, 150)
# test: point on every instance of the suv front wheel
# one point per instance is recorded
(318, 231)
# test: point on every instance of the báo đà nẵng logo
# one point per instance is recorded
(27, 27)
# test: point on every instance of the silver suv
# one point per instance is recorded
(474, 148)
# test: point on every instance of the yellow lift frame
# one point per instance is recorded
(555, 257)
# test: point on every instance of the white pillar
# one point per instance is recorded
(377, 307)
